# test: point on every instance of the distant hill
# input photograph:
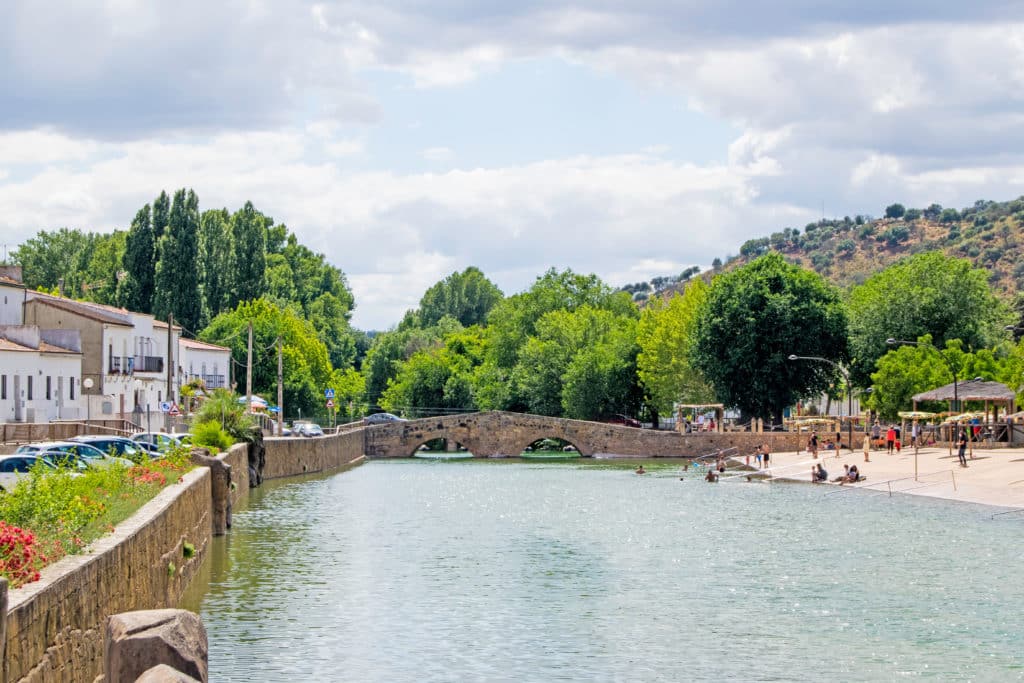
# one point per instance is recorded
(849, 250)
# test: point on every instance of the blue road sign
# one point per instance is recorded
(328, 393)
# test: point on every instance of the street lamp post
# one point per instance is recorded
(849, 392)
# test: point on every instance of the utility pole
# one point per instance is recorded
(170, 362)
(280, 389)
(248, 373)
(170, 357)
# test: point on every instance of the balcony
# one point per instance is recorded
(149, 363)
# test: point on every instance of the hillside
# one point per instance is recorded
(848, 250)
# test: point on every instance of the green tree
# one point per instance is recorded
(55, 259)
(103, 270)
(307, 369)
(214, 260)
(666, 335)
(139, 264)
(895, 211)
(580, 363)
(903, 372)
(755, 317)
(514, 319)
(467, 296)
(161, 218)
(177, 271)
(249, 254)
(925, 294)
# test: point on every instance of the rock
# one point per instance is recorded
(138, 641)
(161, 673)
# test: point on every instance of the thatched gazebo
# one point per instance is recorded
(994, 394)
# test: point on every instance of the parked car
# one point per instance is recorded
(64, 459)
(113, 445)
(15, 467)
(308, 429)
(382, 418)
(620, 419)
(162, 441)
(92, 455)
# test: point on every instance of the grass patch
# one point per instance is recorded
(53, 513)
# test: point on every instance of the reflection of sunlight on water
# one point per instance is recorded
(524, 571)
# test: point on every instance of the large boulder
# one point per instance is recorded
(161, 673)
(139, 641)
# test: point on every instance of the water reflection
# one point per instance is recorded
(483, 570)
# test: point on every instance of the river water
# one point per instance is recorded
(512, 571)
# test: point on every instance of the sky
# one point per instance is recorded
(408, 140)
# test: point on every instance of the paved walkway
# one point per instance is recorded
(994, 477)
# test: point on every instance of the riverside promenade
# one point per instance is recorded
(994, 477)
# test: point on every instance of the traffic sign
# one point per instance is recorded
(328, 393)
(174, 412)
(330, 403)
(165, 406)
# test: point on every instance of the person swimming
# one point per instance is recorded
(641, 470)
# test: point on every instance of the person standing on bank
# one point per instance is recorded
(962, 448)
(812, 444)
(890, 439)
(876, 434)
(867, 448)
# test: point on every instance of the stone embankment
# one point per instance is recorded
(53, 629)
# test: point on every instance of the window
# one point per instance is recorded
(3, 387)
(49, 387)
(71, 390)
(30, 387)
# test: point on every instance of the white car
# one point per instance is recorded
(16, 467)
(162, 441)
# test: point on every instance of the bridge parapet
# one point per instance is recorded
(505, 434)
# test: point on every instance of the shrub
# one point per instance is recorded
(223, 407)
(211, 434)
(20, 558)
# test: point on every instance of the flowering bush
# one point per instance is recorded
(20, 558)
(52, 513)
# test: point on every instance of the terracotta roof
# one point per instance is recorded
(8, 345)
(163, 324)
(196, 344)
(11, 282)
(45, 347)
(103, 314)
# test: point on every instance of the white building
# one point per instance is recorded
(208, 362)
(125, 355)
(12, 295)
(40, 374)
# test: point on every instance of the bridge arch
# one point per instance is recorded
(451, 443)
(550, 433)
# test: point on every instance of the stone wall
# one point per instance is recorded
(501, 434)
(55, 626)
(289, 456)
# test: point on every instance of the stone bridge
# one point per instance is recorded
(501, 434)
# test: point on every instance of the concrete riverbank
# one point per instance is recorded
(992, 477)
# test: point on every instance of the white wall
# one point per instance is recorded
(11, 299)
(61, 368)
(205, 363)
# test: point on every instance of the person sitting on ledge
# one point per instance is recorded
(818, 474)
(843, 478)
